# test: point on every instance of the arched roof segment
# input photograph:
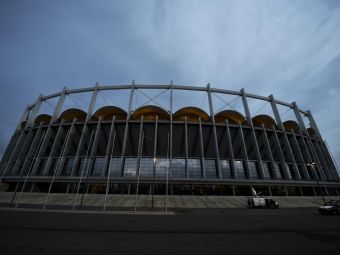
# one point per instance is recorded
(232, 116)
(266, 120)
(107, 113)
(191, 113)
(150, 112)
(291, 124)
(45, 118)
(71, 113)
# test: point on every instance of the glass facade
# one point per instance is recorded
(239, 169)
(178, 168)
(277, 168)
(130, 166)
(83, 167)
(146, 167)
(267, 170)
(68, 167)
(114, 167)
(254, 172)
(162, 167)
(194, 168)
(210, 168)
(97, 166)
(225, 168)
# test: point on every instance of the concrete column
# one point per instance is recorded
(81, 146)
(171, 125)
(186, 146)
(212, 117)
(59, 106)
(92, 103)
(331, 165)
(203, 174)
(140, 144)
(318, 162)
(291, 155)
(328, 175)
(309, 158)
(155, 149)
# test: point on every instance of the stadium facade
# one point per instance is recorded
(155, 149)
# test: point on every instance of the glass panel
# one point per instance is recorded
(253, 170)
(53, 167)
(162, 165)
(277, 170)
(98, 166)
(225, 169)
(178, 168)
(210, 168)
(114, 167)
(194, 168)
(130, 167)
(146, 167)
(267, 170)
(239, 169)
(83, 167)
(68, 167)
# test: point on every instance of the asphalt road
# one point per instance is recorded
(229, 231)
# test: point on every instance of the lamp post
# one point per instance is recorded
(312, 165)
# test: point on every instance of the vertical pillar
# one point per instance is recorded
(309, 158)
(244, 148)
(212, 117)
(315, 155)
(291, 155)
(331, 166)
(282, 158)
(300, 156)
(299, 118)
(59, 106)
(270, 153)
(230, 149)
(203, 174)
(94, 146)
(92, 103)
(34, 111)
(257, 151)
(155, 149)
(57, 139)
(132, 91)
(140, 145)
(186, 146)
(323, 160)
(276, 112)
(171, 125)
(109, 148)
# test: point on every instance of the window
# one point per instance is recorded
(83, 167)
(97, 166)
(225, 169)
(178, 168)
(162, 167)
(194, 168)
(130, 167)
(68, 167)
(277, 168)
(114, 167)
(210, 168)
(146, 167)
(253, 170)
(239, 169)
(267, 170)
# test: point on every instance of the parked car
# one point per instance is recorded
(261, 202)
(331, 207)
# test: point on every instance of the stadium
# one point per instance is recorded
(167, 140)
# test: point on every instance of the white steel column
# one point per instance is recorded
(203, 174)
(34, 111)
(212, 117)
(109, 148)
(59, 106)
(231, 150)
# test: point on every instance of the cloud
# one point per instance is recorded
(289, 49)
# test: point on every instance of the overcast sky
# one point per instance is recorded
(286, 48)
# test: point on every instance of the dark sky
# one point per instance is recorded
(286, 48)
